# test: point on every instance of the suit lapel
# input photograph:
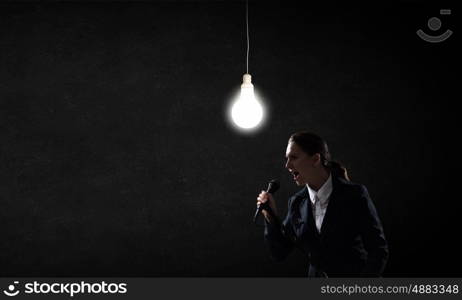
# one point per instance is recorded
(299, 217)
(332, 209)
(305, 219)
(303, 215)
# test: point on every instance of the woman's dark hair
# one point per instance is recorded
(312, 144)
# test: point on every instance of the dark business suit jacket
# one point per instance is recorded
(351, 242)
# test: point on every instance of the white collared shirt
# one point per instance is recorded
(320, 200)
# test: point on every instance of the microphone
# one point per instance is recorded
(273, 186)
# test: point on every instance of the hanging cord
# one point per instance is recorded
(247, 25)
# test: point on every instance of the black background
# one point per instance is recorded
(117, 158)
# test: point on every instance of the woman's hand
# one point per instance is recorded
(263, 197)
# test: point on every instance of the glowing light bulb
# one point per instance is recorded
(247, 112)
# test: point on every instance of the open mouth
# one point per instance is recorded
(296, 175)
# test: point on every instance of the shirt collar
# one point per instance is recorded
(323, 193)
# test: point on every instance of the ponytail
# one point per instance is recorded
(338, 170)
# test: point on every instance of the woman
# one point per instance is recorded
(332, 219)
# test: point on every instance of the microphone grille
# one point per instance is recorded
(273, 186)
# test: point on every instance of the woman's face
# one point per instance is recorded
(300, 164)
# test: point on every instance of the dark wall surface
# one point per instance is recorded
(116, 157)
